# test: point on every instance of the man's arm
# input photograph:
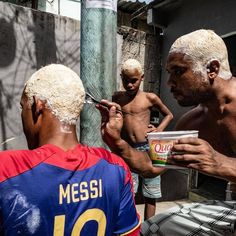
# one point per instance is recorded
(167, 115)
(112, 122)
(199, 155)
(137, 160)
(196, 153)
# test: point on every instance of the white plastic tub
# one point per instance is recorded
(161, 143)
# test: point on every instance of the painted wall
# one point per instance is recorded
(29, 39)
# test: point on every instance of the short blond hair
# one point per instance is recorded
(62, 90)
(131, 64)
(201, 47)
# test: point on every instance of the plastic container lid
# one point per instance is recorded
(173, 134)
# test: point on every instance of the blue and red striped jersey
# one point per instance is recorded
(48, 191)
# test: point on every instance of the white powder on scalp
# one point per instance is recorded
(131, 65)
(201, 47)
(62, 90)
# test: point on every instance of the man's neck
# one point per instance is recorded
(220, 94)
(58, 136)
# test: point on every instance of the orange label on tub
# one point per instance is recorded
(160, 150)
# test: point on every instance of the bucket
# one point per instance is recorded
(161, 143)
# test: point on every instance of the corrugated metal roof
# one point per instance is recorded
(131, 6)
(137, 6)
(142, 1)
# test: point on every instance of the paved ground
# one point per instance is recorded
(161, 206)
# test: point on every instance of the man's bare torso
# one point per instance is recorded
(216, 123)
(136, 125)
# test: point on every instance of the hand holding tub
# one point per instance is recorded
(197, 154)
(161, 146)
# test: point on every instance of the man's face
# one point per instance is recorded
(187, 87)
(29, 125)
(131, 81)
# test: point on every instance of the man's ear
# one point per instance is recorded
(142, 77)
(213, 68)
(37, 108)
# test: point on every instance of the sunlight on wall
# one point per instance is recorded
(69, 8)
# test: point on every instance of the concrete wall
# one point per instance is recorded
(131, 44)
(143, 46)
(142, 43)
(29, 39)
(189, 16)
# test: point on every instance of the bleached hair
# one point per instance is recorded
(131, 64)
(201, 47)
(62, 90)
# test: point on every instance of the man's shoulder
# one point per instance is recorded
(107, 155)
(229, 93)
(111, 158)
(15, 162)
(11, 154)
(191, 119)
(117, 95)
(150, 95)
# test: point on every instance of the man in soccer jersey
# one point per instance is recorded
(60, 187)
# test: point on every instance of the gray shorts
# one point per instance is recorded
(151, 187)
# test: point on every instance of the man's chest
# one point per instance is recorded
(220, 133)
(227, 128)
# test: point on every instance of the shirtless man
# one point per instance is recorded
(137, 124)
(195, 78)
(200, 74)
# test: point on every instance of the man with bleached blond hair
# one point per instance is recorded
(60, 187)
(199, 75)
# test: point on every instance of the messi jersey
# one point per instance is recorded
(47, 191)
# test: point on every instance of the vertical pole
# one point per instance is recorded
(98, 62)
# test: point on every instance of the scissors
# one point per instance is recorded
(90, 99)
